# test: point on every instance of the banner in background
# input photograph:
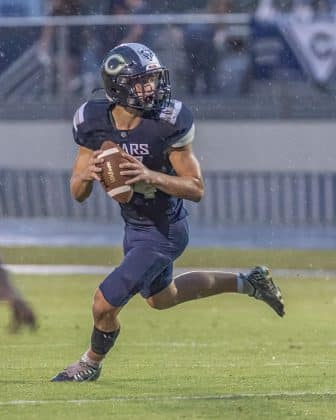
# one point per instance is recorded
(314, 45)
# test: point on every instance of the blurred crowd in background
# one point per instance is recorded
(204, 58)
(41, 7)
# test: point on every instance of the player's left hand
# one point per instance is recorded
(22, 315)
(137, 171)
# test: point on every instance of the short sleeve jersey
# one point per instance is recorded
(150, 142)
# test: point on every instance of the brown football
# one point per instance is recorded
(111, 180)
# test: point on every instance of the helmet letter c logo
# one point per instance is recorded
(114, 64)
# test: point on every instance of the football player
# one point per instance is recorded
(157, 133)
(22, 314)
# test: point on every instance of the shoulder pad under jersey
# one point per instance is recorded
(181, 121)
(89, 123)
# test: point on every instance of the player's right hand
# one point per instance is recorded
(93, 170)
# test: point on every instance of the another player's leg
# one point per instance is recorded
(104, 334)
(22, 314)
(198, 284)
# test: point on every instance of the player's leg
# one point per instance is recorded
(199, 284)
(106, 327)
(139, 264)
(7, 291)
(109, 299)
(104, 334)
(194, 285)
(164, 292)
(22, 314)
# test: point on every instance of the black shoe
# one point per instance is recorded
(264, 288)
(78, 372)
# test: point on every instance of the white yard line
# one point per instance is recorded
(42, 269)
(175, 398)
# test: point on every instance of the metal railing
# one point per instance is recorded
(19, 77)
(236, 19)
(263, 198)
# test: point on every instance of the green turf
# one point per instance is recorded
(201, 360)
(193, 257)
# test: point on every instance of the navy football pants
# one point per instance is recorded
(148, 263)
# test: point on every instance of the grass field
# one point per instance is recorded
(226, 357)
(192, 257)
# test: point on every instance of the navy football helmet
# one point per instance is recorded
(133, 77)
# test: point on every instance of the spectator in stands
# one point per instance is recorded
(22, 314)
(127, 33)
(49, 45)
(201, 48)
(302, 10)
(321, 8)
(98, 38)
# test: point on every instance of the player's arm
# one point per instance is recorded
(187, 183)
(85, 171)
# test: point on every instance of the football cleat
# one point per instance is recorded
(78, 372)
(264, 288)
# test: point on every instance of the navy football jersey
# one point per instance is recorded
(150, 142)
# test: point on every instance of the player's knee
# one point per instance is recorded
(165, 299)
(158, 304)
(101, 309)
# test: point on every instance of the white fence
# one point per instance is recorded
(283, 199)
